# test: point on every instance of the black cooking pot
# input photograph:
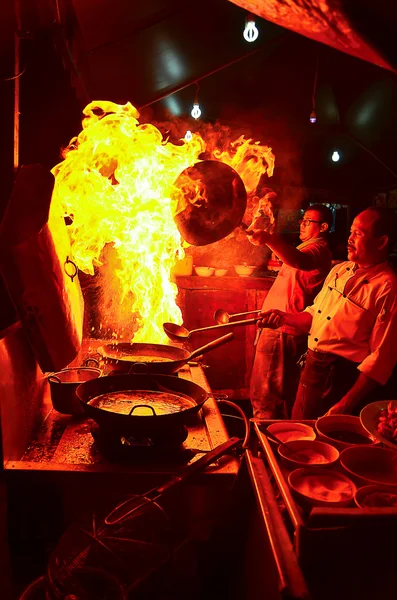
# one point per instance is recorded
(188, 400)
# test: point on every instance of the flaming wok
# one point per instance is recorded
(153, 358)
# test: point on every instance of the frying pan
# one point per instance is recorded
(211, 200)
(148, 424)
(124, 357)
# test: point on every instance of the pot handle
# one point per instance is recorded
(139, 369)
(142, 406)
(212, 345)
(53, 378)
(90, 359)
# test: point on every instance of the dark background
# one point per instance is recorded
(74, 51)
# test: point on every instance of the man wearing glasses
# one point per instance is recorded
(352, 323)
(275, 374)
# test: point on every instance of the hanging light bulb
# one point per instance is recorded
(250, 32)
(196, 111)
(335, 156)
(313, 116)
(188, 136)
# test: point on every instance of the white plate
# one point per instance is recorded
(369, 420)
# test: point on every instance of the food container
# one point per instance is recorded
(376, 496)
(343, 431)
(63, 385)
(322, 487)
(204, 271)
(287, 431)
(244, 270)
(183, 267)
(305, 453)
(220, 272)
(370, 464)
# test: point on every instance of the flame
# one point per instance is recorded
(115, 185)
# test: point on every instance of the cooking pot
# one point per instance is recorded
(63, 386)
(124, 357)
(183, 399)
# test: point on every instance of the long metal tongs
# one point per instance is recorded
(125, 509)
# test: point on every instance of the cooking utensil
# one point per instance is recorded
(125, 509)
(221, 316)
(370, 464)
(369, 417)
(178, 333)
(63, 386)
(308, 453)
(144, 425)
(210, 201)
(322, 487)
(131, 358)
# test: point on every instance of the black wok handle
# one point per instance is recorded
(199, 464)
(212, 345)
(128, 507)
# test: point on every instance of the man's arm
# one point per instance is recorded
(290, 255)
(361, 388)
(275, 318)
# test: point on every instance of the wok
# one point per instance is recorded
(130, 358)
(210, 201)
(153, 422)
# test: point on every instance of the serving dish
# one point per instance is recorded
(343, 431)
(288, 431)
(369, 417)
(204, 271)
(304, 453)
(322, 487)
(244, 270)
(370, 464)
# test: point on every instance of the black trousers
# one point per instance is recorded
(324, 380)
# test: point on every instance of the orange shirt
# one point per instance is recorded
(293, 289)
(355, 316)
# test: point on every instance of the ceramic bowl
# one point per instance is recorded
(308, 453)
(220, 272)
(370, 465)
(243, 270)
(287, 431)
(376, 496)
(322, 487)
(204, 271)
(343, 431)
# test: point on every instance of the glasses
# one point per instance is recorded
(306, 222)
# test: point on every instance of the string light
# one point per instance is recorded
(335, 156)
(250, 32)
(188, 136)
(196, 111)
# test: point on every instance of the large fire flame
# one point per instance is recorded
(115, 186)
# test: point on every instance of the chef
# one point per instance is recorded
(352, 323)
(275, 374)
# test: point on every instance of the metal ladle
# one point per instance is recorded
(221, 316)
(178, 333)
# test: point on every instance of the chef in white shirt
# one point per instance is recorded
(352, 323)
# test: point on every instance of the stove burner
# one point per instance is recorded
(160, 447)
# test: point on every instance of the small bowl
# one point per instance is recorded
(343, 431)
(322, 487)
(243, 270)
(319, 454)
(376, 496)
(286, 431)
(370, 464)
(220, 272)
(204, 271)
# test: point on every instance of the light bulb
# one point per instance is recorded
(250, 32)
(188, 136)
(313, 117)
(196, 112)
(335, 156)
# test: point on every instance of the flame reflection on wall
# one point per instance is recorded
(115, 184)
